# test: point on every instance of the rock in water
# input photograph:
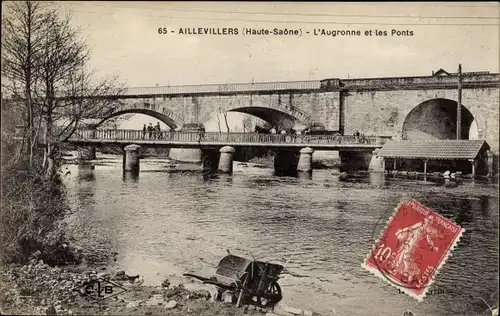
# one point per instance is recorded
(51, 310)
(451, 184)
(294, 311)
(155, 300)
(165, 283)
(343, 176)
(227, 297)
(170, 304)
(134, 304)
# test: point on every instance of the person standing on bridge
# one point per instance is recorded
(356, 136)
(144, 129)
(150, 130)
(283, 135)
(273, 132)
(158, 130)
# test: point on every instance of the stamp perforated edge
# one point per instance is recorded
(377, 273)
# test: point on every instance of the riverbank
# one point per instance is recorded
(38, 289)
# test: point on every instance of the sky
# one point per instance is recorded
(124, 40)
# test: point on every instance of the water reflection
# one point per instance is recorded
(209, 176)
(227, 178)
(174, 222)
(463, 209)
(377, 178)
(130, 176)
(304, 175)
(85, 183)
(485, 205)
(86, 172)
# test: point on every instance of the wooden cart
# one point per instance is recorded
(252, 282)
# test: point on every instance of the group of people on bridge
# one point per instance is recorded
(278, 135)
(307, 135)
(152, 132)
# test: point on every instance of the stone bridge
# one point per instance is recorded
(412, 107)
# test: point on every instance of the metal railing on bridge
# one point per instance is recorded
(216, 137)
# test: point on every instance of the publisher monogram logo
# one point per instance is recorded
(100, 289)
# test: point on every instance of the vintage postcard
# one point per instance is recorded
(260, 158)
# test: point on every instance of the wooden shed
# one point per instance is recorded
(473, 151)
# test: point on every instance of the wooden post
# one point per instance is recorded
(383, 164)
(473, 162)
(490, 162)
(425, 169)
(459, 103)
(395, 164)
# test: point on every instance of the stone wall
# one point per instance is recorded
(304, 107)
(366, 108)
(384, 112)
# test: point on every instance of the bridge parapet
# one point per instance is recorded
(469, 80)
(223, 138)
(223, 88)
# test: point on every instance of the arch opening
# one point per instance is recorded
(437, 119)
(159, 116)
(276, 118)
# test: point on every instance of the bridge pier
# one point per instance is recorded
(305, 160)
(285, 163)
(376, 162)
(190, 155)
(86, 153)
(354, 160)
(131, 158)
(226, 160)
(209, 161)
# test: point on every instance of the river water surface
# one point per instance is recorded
(163, 224)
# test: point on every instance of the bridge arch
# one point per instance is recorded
(437, 119)
(161, 113)
(279, 116)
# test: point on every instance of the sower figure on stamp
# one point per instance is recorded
(409, 238)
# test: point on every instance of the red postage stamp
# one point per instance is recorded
(413, 247)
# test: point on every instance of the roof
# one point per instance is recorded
(441, 72)
(433, 149)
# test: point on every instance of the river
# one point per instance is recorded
(163, 224)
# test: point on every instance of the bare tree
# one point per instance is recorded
(62, 90)
(24, 25)
(217, 118)
(225, 120)
(114, 122)
(247, 124)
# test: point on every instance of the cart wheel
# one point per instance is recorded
(270, 297)
(218, 296)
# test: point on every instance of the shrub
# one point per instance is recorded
(31, 210)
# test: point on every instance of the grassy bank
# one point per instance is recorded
(32, 207)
